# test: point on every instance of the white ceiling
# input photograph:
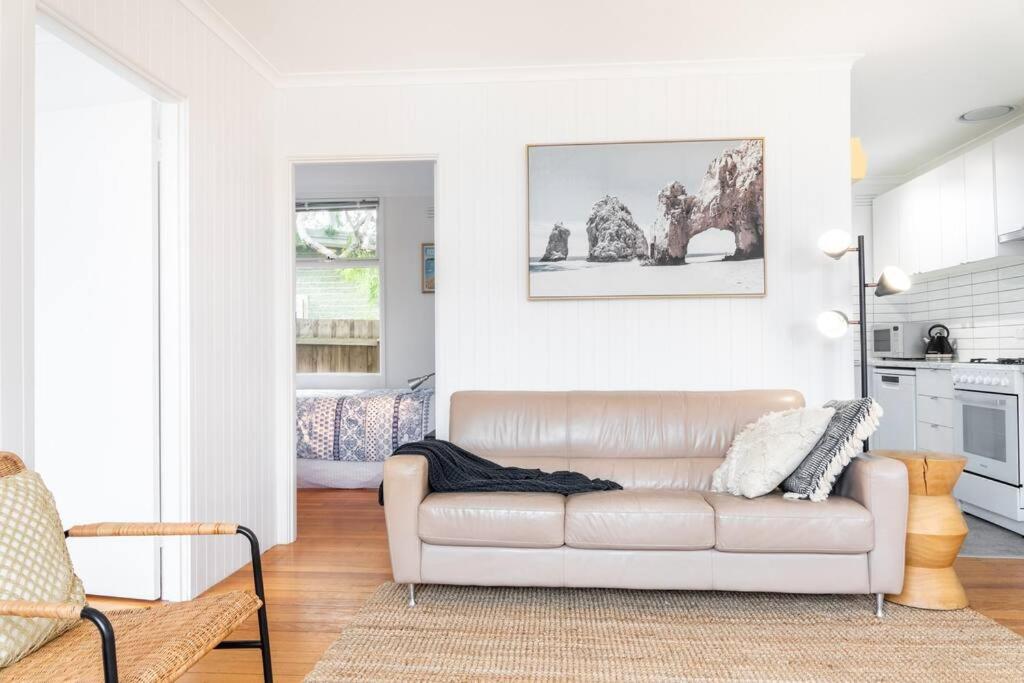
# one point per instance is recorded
(924, 61)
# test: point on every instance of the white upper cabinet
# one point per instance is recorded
(955, 213)
(927, 225)
(907, 199)
(1009, 176)
(980, 203)
(952, 214)
(885, 222)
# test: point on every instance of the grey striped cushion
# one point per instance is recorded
(853, 422)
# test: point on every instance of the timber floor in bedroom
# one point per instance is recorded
(316, 584)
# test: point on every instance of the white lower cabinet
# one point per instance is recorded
(934, 382)
(933, 437)
(934, 410)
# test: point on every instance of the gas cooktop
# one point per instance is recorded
(998, 361)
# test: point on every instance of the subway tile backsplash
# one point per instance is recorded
(983, 308)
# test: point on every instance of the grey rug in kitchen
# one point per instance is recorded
(985, 539)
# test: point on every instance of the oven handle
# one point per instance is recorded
(975, 398)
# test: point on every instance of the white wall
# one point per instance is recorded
(406, 193)
(236, 283)
(490, 336)
(17, 31)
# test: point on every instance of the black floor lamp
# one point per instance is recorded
(834, 324)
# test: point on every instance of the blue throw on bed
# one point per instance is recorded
(363, 427)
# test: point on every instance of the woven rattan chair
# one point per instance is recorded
(154, 644)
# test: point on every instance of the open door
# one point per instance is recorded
(97, 355)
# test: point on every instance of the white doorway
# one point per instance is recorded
(364, 315)
(97, 290)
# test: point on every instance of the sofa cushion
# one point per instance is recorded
(496, 519)
(639, 519)
(773, 524)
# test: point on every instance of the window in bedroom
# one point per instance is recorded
(337, 287)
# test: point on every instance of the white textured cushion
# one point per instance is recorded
(34, 564)
(767, 451)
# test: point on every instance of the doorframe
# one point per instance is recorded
(173, 299)
(285, 478)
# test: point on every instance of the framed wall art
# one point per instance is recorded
(646, 219)
(427, 267)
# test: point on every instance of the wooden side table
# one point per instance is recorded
(935, 531)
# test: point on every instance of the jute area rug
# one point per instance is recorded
(502, 634)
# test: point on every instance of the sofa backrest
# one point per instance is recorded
(641, 439)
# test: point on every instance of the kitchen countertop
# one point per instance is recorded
(932, 364)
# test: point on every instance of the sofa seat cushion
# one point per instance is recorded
(773, 524)
(639, 519)
(494, 519)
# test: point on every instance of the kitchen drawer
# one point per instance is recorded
(933, 437)
(935, 410)
(932, 382)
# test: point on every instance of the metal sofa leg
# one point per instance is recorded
(412, 595)
(879, 602)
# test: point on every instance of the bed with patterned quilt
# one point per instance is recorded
(343, 437)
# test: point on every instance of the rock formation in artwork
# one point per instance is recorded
(730, 197)
(612, 233)
(558, 244)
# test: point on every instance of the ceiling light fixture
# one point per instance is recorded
(986, 113)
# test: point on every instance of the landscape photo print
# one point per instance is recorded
(633, 219)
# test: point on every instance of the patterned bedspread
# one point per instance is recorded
(364, 427)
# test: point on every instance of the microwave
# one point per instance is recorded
(897, 340)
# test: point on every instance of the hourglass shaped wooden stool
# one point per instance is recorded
(935, 531)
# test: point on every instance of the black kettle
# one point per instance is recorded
(938, 341)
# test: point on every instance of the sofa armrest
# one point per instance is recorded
(405, 487)
(880, 484)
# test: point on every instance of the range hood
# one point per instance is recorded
(1011, 236)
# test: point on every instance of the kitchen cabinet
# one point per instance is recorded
(885, 219)
(1008, 152)
(934, 437)
(935, 382)
(926, 225)
(934, 410)
(952, 213)
(955, 213)
(907, 198)
(980, 204)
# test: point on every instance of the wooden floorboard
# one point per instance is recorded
(315, 585)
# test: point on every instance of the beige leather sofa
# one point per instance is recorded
(665, 530)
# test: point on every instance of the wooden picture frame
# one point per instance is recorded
(646, 219)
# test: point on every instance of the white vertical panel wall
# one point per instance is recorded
(490, 336)
(17, 50)
(231, 113)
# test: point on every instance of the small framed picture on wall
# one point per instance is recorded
(427, 267)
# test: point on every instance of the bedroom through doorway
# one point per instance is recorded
(364, 316)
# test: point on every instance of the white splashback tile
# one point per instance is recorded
(984, 309)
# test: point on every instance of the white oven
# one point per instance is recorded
(985, 430)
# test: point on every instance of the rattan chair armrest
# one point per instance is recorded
(45, 610)
(158, 529)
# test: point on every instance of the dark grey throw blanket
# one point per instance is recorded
(450, 468)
